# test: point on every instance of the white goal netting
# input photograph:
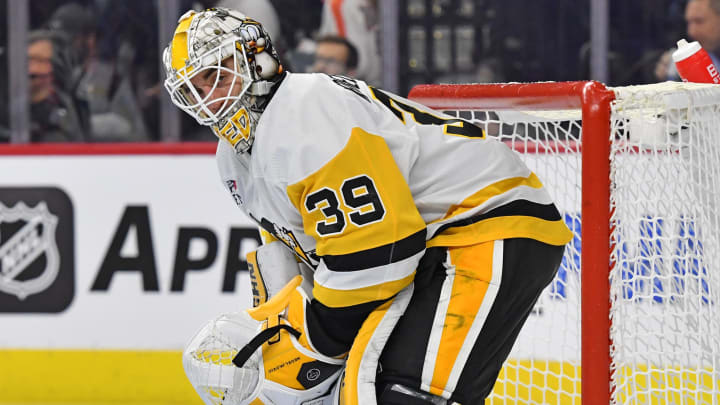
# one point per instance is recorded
(664, 265)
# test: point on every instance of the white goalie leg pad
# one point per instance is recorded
(358, 386)
(271, 267)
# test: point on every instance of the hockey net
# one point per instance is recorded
(633, 315)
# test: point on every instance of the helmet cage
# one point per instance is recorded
(186, 96)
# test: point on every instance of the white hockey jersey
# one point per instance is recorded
(358, 182)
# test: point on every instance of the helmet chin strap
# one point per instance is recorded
(266, 90)
(261, 88)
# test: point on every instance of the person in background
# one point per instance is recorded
(335, 56)
(703, 25)
(358, 21)
(56, 115)
(299, 23)
(105, 83)
(4, 113)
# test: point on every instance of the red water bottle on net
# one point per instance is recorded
(694, 64)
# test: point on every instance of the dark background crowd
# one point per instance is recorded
(95, 76)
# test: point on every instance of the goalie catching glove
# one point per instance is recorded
(262, 356)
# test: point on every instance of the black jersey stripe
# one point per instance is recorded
(378, 256)
(547, 212)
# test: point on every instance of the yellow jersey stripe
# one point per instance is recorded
(551, 232)
(345, 298)
(486, 193)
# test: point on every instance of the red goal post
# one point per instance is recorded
(608, 137)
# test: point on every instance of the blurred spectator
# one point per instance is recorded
(299, 23)
(299, 19)
(105, 84)
(358, 21)
(703, 25)
(56, 115)
(42, 10)
(489, 70)
(335, 56)
(4, 113)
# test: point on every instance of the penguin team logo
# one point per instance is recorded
(35, 237)
(36, 250)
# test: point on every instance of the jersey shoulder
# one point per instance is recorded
(308, 122)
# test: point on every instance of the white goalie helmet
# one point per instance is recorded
(236, 359)
(220, 68)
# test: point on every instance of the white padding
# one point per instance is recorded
(277, 266)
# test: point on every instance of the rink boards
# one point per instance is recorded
(148, 246)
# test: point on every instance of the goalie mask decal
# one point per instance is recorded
(236, 130)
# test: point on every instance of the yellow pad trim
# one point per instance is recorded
(259, 290)
(551, 232)
(349, 391)
(94, 377)
(277, 303)
(473, 271)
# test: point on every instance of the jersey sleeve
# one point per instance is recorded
(369, 236)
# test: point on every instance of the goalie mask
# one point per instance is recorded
(237, 359)
(221, 68)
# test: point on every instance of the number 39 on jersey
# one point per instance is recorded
(357, 201)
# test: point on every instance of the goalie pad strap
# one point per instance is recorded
(255, 343)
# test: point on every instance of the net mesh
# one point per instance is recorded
(665, 273)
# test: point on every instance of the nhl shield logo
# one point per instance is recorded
(37, 250)
(29, 257)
